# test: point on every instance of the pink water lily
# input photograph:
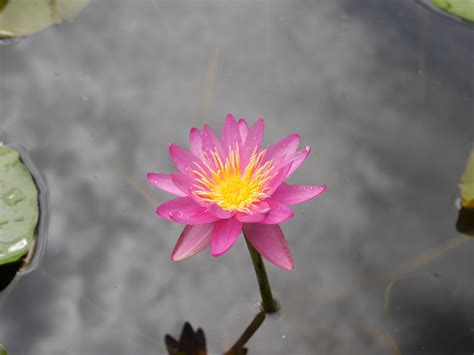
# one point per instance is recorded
(229, 185)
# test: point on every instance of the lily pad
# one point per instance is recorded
(3, 3)
(464, 9)
(466, 185)
(19, 209)
(24, 17)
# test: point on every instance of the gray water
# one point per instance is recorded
(383, 91)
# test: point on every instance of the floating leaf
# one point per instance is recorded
(465, 222)
(462, 8)
(466, 184)
(3, 3)
(19, 208)
(24, 17)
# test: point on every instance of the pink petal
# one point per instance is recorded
(219, 212)
(251, 218)
(243, 129)
(193, 194)
(210, 141)
(297, 159)
(195, 142)
(230, 133)
(182, 181)
(255, 134)
(279, 213)
(260, 207)
(192, 240)
(270, 242)
(184, 160)
(293, 194)
(257, 213)
(185, 211)
(253, 141)
(285, 146)
(164, 182)
(279, 178)
(224, 235)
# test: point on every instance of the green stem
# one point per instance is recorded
(269, 305)
(247, 334)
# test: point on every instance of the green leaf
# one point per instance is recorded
(24, 17)
(466, 184)
(19, 208)
(3, 351)
(3, 3)
(461, 8)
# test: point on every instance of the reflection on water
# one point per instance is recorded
(238, 348)
(9, 41)
(382, 90)
(194, 342)
(189, 343)
(431, 314)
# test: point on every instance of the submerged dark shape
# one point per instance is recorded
(8, 273)
(190, 342)
(465, 222)
(194, 342)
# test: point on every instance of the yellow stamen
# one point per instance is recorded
(225, 184)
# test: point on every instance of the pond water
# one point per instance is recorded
(383, 92)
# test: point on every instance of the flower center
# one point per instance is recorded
(228, 185)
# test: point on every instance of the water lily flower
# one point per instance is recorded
(231, 185)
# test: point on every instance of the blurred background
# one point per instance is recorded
(383, 92)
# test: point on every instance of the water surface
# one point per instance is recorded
(382, 91)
